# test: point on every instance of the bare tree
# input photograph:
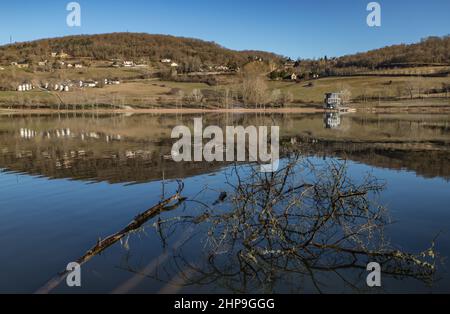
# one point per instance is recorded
(299, 223)
(254, 90)
(197, 95)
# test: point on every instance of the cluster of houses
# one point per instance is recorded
(20, 65)
(66, 86)
(61, 87)
(24, 65)
(61, 55)
(25, 87)
(126, 64)
(67, 65)
(170, 62)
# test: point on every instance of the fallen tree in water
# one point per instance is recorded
(168, 204)
(300, 226)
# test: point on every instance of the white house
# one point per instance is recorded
(222, 68)
(90, 84)
(24, 87)
(333, 100)
(166, 61)
(112, 82)
(174, 64)
(78, 66)
(20, 65)
(128, 64)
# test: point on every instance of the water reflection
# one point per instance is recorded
(134, 148)
(332, 120)
(307, 228)
(68, 134)
(237, 231)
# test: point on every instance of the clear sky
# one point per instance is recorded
(295, 28)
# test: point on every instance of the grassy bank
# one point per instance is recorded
(367, 92)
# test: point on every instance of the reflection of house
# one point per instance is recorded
(27, 133)
(332, 120)
(333, 100)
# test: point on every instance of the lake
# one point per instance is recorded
(353, 188)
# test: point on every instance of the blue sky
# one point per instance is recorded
(295, 28)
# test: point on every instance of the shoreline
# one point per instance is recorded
(163, 111)
(290, 110)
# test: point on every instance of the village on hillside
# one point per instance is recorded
(258, 79)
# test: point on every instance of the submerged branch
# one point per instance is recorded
(102, 245)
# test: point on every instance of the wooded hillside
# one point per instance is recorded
(432, 50)
(131, 46)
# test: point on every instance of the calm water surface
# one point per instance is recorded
(68, 180)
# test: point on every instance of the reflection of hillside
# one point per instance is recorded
(117, 165)
(132, 149)
(121, 163)
(425, 159)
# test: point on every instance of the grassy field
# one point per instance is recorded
(359, 87)
(141, 93)
(86, 73)
(147, 93)
(425, 70)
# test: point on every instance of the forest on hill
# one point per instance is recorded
(430, 51)
(147, 47)
(131, 46)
